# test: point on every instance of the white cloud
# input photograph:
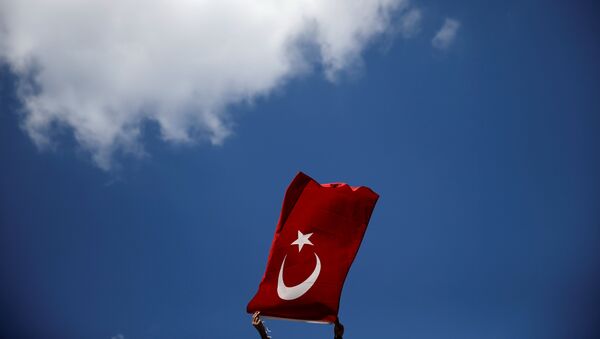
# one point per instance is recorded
(410, 23)
(118, 336)
(446, 35)
(102, 68)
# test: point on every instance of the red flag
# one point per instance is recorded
(317, 237)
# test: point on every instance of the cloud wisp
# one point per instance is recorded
(446, 35)
(103, 68)
(410, 23)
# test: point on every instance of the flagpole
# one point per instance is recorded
(260, 327)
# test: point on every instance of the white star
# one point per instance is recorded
(302, 240)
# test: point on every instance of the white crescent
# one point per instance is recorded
(295, 292)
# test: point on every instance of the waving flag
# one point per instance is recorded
(317, 237)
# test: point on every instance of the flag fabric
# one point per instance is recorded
(317, 237)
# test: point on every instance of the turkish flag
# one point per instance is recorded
(317, 237)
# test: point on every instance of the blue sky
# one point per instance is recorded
(484, 153)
